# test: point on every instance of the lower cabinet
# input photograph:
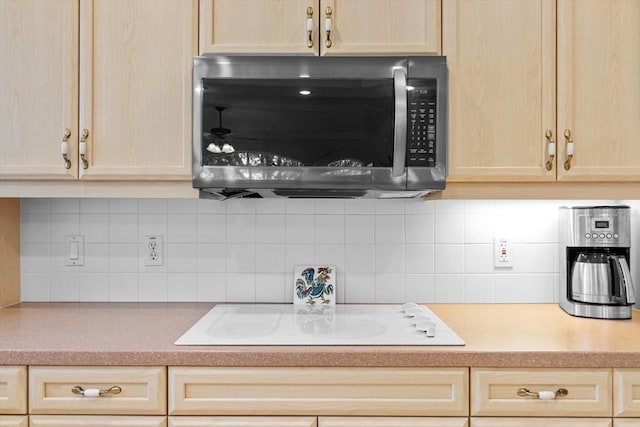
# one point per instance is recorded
(93, 390)
(95, 421)
(438, 392)
(626, 393)
(541, 422)
(97, 396)
(50, 396)
(14, 421)
(626, 422)
(243, 422)
(541, 392)
(182, 421)
(391, 422)
(626, 397)
(13, 392)
(590, 397)
(535, 397)
(318, 397)
(13, 396)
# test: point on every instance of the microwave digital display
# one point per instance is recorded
(601, 224)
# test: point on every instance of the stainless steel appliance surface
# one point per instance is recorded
(299, 324)
(595, 280)
(334, 127)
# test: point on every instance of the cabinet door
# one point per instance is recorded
(626, 392)
(38, 88)
(135, 88)
(391, 422)
(599, 88)
(540, 422)
(258, 26)
(382, 27)
(95, 421)
(242, 422)
(628, 422)
(13, 390)
(54, 390)
(494, 392)
(318, 391)
(501, 59)
(13, 421)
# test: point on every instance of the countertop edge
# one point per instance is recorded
(296, 357)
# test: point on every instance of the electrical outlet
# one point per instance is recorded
(154, 251)
(502, 253)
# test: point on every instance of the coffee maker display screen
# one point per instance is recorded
(602, 224)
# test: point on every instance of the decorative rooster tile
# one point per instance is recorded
(314, 285)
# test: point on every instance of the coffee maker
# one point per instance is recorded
(595, 243)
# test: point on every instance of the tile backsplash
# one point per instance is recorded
(385, 251)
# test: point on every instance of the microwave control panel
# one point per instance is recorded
(421, 122)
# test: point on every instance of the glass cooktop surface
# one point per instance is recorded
(341, 324)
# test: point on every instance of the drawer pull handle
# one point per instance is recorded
(95, 392)
(543, 395)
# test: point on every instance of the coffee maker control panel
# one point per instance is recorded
(602, 226)
(602, 229)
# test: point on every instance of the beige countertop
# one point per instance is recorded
(496, 335)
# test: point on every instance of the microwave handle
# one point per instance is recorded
(400, 124)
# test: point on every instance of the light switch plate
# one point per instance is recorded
(74, 250)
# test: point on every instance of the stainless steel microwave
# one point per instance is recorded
(339, 127)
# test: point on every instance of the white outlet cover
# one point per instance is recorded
(502, 252)
(153, 251)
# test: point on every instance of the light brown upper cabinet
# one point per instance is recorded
(38, 88)
(505, 84)
(356, 27)
(109, 82)
(599, 89)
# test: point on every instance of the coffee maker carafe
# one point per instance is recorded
(595, 280)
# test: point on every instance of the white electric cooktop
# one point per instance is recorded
(341, 324)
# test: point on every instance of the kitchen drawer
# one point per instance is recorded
(541, 422)
(143, 390)
(391, 422)
(628, 422)
(318, 391)
(242, 422)
(14, 421)
(13, 390)
(626, 392)
(96, 421)
(494, 392)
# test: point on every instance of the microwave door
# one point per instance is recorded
(400, 122)
(306, 123)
